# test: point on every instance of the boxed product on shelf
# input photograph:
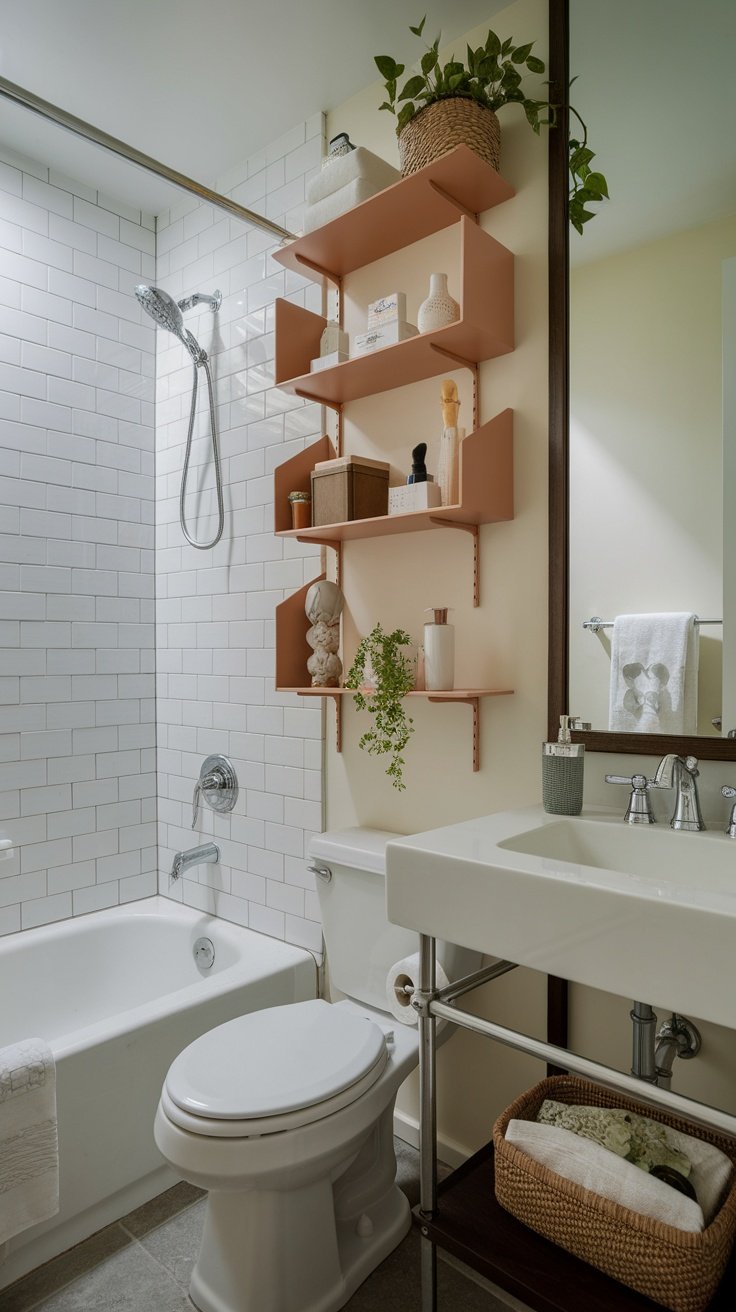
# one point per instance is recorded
(387, 334)
(414, 496)
(349, 487)
(327, 361)
(387, 309)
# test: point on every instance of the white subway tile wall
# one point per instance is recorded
(77, 683)
(214, 622)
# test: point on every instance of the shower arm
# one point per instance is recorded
(198, 298)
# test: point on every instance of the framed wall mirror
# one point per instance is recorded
(643, 374)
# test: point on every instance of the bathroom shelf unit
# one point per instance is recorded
(484, 330)
(472, 1226)
(451, 192)
(486, 476)
(293, 652)
(427, 201)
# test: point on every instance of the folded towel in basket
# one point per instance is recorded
(602, 1172)
(29, 1156)
(654, 674)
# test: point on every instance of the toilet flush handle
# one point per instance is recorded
(322, 872)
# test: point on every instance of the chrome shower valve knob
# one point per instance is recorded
(217, 783)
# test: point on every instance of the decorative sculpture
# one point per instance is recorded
(323, 607)
(449, 458)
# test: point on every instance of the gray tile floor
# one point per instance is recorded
(143, 1263)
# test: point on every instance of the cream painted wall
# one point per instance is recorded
(646, 450)
(503, 643)
(393, 579)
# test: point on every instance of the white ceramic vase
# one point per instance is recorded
(439, 308)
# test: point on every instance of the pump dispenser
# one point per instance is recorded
(563, 765)
(439, 651)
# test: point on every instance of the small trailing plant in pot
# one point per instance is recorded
(454, 104)
(391, 678)
(444, 106)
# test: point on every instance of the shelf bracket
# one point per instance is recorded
(473, 702)
(318, 268)
(331, 405)
(475, 531)
(452, 200)
(336, 697)
(464, 364)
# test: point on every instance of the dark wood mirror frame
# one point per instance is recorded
(715, 749)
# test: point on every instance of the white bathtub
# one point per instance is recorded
(117, 994)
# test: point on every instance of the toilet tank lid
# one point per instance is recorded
(360, 849)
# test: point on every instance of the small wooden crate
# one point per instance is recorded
(348, 489)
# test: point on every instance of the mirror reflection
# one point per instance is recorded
(652, 339)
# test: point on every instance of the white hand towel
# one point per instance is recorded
(358, 163)
(710, 1170)
(602, 1172)
(654, 674)
(338, 202)
(29, 1155)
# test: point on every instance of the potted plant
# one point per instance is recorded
(391, 679)
(456, 104)
(445, 106)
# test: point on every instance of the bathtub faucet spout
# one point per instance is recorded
(194, 856)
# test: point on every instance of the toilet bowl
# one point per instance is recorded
(285, 1117)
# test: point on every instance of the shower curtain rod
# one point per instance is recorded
(99, 138)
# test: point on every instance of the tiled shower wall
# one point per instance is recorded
(77, 781)
(215, 629)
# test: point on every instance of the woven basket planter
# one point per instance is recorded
(439, 127)
(678, 1269)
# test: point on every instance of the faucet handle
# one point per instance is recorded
(728, 791)
(639, 810)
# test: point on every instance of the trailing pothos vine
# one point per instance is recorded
(392, 678)
(492, 76)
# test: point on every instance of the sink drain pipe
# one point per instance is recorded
(653, 1053)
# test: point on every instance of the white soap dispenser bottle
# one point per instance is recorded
(439, 651)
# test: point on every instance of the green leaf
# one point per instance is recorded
(521, 53)
(597, 182)
(515, 95)
(386, 105)
(429, 60)
(387, 67)
(455, 81)
(391, 90)
(505, 48)
(535, 65)
(413, 87)
(471, 61)
(493, 45)
(580, 158)
(418, 30)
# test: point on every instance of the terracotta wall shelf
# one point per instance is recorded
(427, 201)
(486, 494)
(484, 330)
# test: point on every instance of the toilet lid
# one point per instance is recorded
(275, 1061)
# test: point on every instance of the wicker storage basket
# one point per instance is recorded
(439, 127)
(675, 1268)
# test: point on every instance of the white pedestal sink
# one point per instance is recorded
(642, 911)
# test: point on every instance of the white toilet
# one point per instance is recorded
(286, 1115)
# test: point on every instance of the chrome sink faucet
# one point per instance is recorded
(681, 773)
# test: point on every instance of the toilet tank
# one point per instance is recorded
(361, 944)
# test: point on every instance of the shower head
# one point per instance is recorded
(167, 314)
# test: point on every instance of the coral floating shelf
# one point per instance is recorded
(486, 490)
(425, 202)
(484, 330)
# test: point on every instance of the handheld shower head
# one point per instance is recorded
(167, 314)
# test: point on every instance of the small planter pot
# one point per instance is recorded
(439, 127)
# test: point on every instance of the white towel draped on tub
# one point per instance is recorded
(654, 674)
(29, 1156)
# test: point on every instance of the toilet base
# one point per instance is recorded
(302, 1249)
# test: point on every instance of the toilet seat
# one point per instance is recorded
(274, 1070)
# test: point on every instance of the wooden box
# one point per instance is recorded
(349, 488)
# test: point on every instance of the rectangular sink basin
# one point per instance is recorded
(641, 911)
(650, 853)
